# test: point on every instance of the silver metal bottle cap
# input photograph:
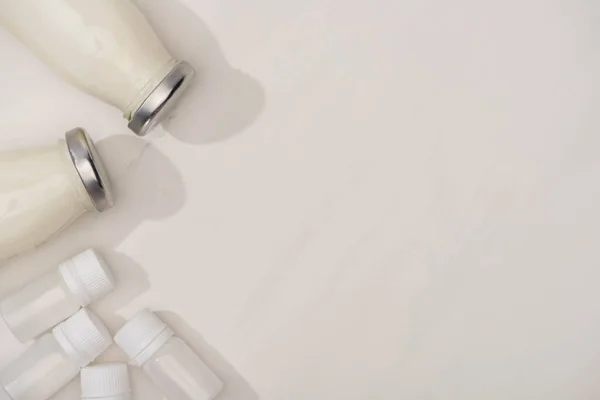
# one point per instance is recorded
(89, 166)
(162, 99)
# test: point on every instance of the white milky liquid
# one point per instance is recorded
(105, 47)
(40, 194)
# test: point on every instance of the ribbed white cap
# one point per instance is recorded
(87, 276)
(105, 381)
(83, 336)
(142, 335)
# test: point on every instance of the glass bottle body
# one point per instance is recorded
(105, 47)
(40, 194)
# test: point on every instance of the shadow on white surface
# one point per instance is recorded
(222, 100)
(146, 184)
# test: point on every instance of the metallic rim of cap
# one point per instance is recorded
(162, 99)
(89, 166)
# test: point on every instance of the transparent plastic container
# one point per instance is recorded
(106, 48)
(43, 190)
(105, 382)
(56, 295)
(167, 360)
(55, 359)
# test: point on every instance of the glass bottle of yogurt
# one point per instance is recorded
(43, 190)
(105, 47)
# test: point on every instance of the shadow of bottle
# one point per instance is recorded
(146, 186)
(221, 101)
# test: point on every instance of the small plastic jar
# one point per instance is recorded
(55, 359)
(105, 382)
(43, 190)
(167, 360)
(56, 295)
(105, 47)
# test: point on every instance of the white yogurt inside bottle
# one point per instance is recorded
(43, 190)
(105, 47)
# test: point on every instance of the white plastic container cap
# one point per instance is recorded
(87, 276)
(83, 336)
(142, 336)
(105, 381)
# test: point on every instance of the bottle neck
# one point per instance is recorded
(150, 86)
(75, 180)
(73, 283)
(153, 347)
(68, 347)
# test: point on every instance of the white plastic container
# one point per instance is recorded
(56, 295)
(43, 190)
(167, 360)
(55, 359)
(105, 47)
(105, 382)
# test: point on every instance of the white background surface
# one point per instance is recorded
(386, 199)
